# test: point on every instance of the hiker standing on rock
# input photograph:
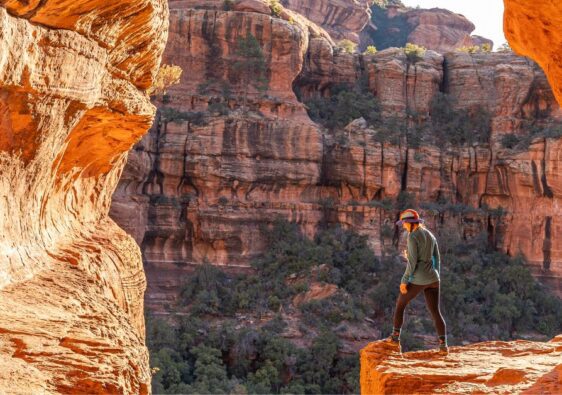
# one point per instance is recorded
(422, 274)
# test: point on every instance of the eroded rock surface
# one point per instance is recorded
(484, 368)
(73, 76)
(533, 29)
(343, 19)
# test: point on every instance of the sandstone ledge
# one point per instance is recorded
(490, 367)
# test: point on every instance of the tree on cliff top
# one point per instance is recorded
(251, 65)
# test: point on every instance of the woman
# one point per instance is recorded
(422, 274)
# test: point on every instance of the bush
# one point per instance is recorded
(414, 53)
(347, 46)
(345, 105)
(510, 140)
(169, 114)
(458, 126)
(371, 50)
(227, 5)
(275, 8)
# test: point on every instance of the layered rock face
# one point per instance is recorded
(73, 77)
(533, 30)
(201, 190)
(343, 19)
(436, 29)
(485, 368)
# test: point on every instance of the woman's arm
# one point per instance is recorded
(412, 260)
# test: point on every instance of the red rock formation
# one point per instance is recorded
(343, 19)
(436, 29)
(200, 191)
(484, 368)
(533, 29)
(73, 76)
(441, 30)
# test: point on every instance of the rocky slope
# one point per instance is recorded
(73, 77)
(485, 368)
(200, 188)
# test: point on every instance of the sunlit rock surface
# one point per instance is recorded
(484, 368)
(533, 29)
(73, 76)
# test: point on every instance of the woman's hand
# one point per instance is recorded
(405, 254)
(403, 288)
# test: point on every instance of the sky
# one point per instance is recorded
(487, 15)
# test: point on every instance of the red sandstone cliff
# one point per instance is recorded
(196, 191)
(73, 76)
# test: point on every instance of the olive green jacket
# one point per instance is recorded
(424, 261)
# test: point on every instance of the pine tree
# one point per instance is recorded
(251, 65)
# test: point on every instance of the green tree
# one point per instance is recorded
(210, 373)
(251, 66)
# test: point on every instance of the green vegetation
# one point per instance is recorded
(550, 130)
(275, 7)
(371, 50)
(251, 65)
(458, 126)
(347, 46)
(343, 106)
(473, 49)
(414, 53)
(227, 5)
(486, 295)
(505, 47)
(169, 114)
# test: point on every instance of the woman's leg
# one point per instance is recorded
(432, 301)
(402, 302)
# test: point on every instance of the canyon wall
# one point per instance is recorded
(73, 77)
(200, 188)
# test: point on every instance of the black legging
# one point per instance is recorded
(431, 293)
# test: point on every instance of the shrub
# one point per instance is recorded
(510, 140)
(167, 76)
(275, 8)
(371, 50)
(251, 65)
(345, 105)
(169, 114)
(414, 53)
(347, 46)
(458, 126)
(472, 49)
(227, 5)
(505, 47)
(486, 47)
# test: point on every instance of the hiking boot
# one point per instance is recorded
(394, 342)
(443, 348)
